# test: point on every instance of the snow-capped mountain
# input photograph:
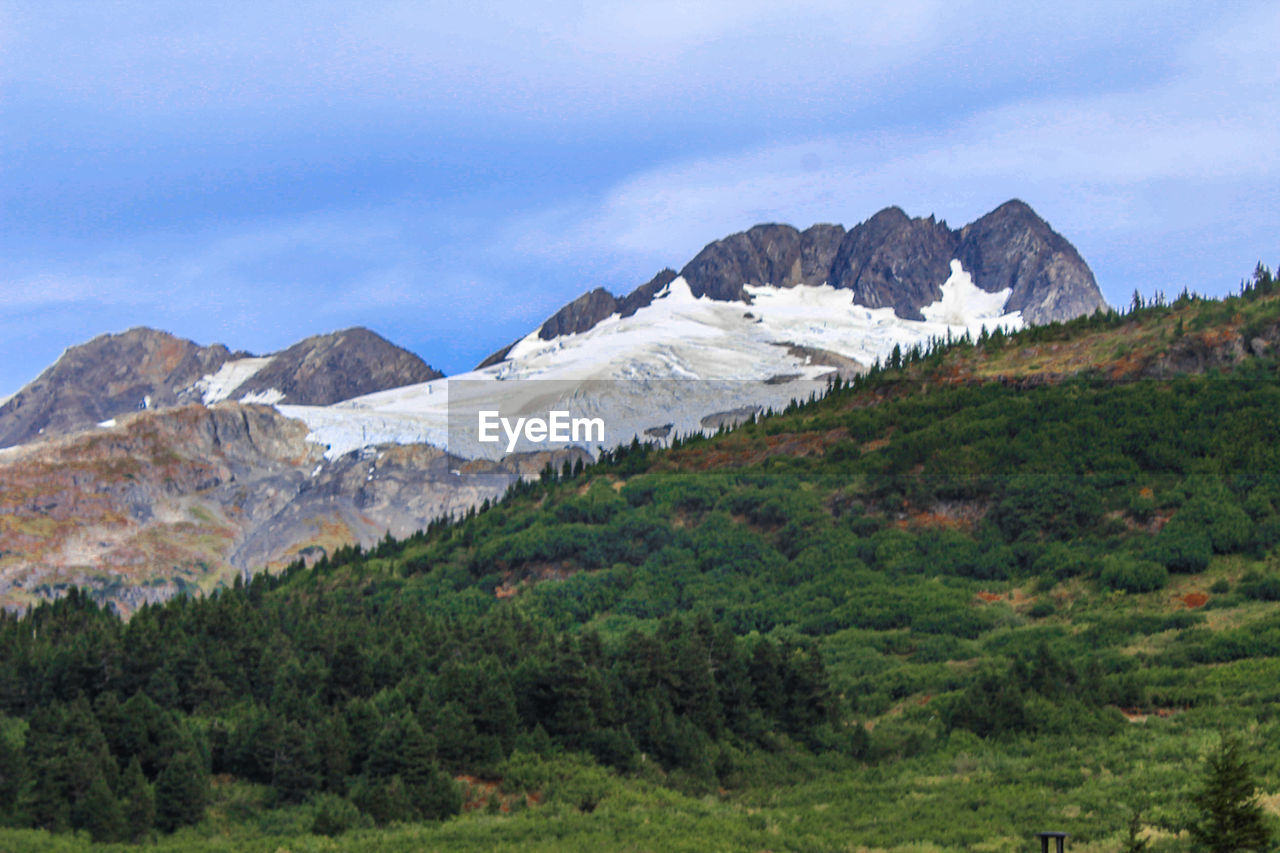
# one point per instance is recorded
(781, 344)
(142, 464)
(764, 316)
(114, 375)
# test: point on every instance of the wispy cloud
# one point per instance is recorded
(450, 173)
(1157, 158)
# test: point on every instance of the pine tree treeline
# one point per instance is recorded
(367, 682)
(363, 699)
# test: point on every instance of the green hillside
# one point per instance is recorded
(1009, 585)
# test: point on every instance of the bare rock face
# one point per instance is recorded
(115, 375)
(766, 254)
(163, 495)
(891, 260)
(580, 314)
(109, 376)
(327, 369)
(590, 308)
(498, 356)
(1013, 247)
(185, 499)
(818, 247)
(644, 294)
(583, 313)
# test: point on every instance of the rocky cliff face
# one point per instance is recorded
(114, 375)
(1013, 247)
(593, 306)
(326, 369)
(891, 260)
(766, 254)
(110, 375)
(580, 314)
(186, 498)
(163, 496)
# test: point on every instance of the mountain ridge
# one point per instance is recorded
(142, 368)
(889, 260)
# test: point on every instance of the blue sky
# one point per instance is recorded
(450, 174)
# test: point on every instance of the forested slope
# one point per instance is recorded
(1011, 582)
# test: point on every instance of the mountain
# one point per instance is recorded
(106, 377)
(189, 497)
(355, 437)
(891, 260)
(113, 375)
(329, 368)
(1003, 587)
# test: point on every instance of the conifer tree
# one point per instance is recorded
(293, 765)
(13, 763)
(1230, 815)
(99, 812)
(181, 791)
(332, 745)
(139, 803)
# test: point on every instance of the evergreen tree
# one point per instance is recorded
(332, 746)
(139, 803)
(386, 801)
(99, 812)
(438, 797)
(1230, 814)
(294, 764)
(181, 791)
(13, 763)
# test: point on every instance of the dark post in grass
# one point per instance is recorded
(1060, 838)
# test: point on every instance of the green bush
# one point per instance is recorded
(1127, 574)
(1041, 609)
(334, 815)
(1181, 549)
(1260, 588)
(1227, 526)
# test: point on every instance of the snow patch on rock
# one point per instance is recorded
(215, 387)
(267, 397)
(735, 350)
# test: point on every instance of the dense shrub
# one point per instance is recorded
(1128, 574)
(1180, 548)
(1261, 587)
(1225, 524)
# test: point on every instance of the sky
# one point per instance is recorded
(448, 175)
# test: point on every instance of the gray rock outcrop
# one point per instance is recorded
(114, 375)
(891, 260)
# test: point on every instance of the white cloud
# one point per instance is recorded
(1157, 158)
(49, 290)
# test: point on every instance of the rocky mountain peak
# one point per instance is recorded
(764, 254)
(894, 261)
(325, 369)
(1012, 247)
(105, 377)
(115, 374)
(580, 314)
(889, 261)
